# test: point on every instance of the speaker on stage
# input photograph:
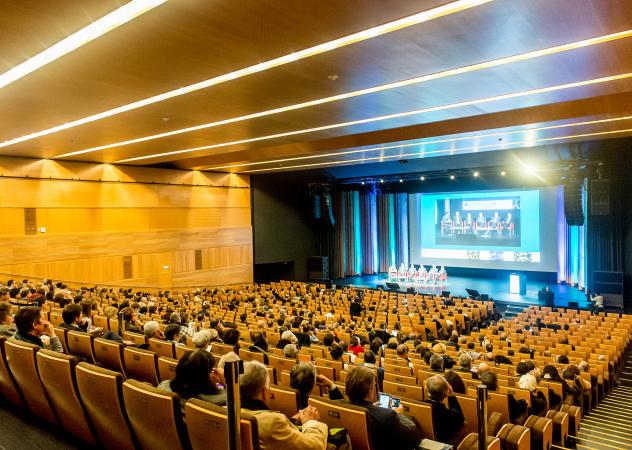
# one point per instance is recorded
(573, 208)
(392, 286)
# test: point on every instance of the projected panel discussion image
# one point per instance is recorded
(495, 229)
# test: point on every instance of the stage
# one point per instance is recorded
(496, 288)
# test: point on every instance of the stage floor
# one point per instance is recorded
(497, 289)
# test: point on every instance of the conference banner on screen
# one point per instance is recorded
(512, 229)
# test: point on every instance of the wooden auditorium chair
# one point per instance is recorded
(166, 368)
(57, 372)
(162, 348)
(470, 442)
(343, 415)
(8, 387)
(560, 426)
(62, 333)
(80, 344)
(514, 437)
(285, 400)
(136, 338)
(109, 354)
(422, 413)
(541, 432)
(141, 365)
(21, 361)
(101, 391)
(207, 425)
(155, 417)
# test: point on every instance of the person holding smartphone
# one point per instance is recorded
(390, 429)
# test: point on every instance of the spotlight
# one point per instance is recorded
(452, 177)
(401, 180)
(381, 180)
(476, 174)
(422, 178)
(529, 169)
(363, 183)
(503, 173)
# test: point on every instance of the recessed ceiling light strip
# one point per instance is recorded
(439, 141)
(89, 33)
(451, 150)
(371, 90)
(380, 30)
(380, 118)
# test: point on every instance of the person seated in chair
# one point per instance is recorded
(32, 327)
(447, 421)
(389, 428)
(303, 378)
(276, 432)
(74, 320)
(517, 408)
(7, 325)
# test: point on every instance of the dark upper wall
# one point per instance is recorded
(281, 223)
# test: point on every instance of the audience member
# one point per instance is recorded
(34, 329)
(7, 325)
(455, 381)
(303, 378)
(447, 421)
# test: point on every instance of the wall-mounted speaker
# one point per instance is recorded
(573, 208)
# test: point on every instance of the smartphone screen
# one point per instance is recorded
(394, 402)
(385, 400)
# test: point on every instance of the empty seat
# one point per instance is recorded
(110, 354)
(56, 371)
(155, 417)
(162, 348)
(21, 360)
(560, 426)
(101, 392)
(422, 412)
(167, 368)
(208, 427)
(403, 390)
(61, 333)
(541, 432)
(471, 442)
(141, 365)
(342, 415)
(284, 400)
(8, 387)
(80, 344)
(514, 437)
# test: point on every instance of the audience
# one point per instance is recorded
(34, 329)
(447, 421)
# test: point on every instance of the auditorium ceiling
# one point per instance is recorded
(256, 86)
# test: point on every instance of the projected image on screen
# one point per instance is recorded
(493, 222)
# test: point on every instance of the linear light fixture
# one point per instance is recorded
(405, 22)
(89, 33)
(439, 141)
(450, 150)
(384, 117)
(357, 93)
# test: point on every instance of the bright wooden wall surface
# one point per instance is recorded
(114, 212)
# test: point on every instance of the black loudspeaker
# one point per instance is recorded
(392, 286)
(600, 197)
(445, 293)
(573, 209)
(318, 268)
(316, 209)
(410, 290)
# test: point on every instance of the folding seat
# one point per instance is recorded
(342, 415)
(162, 348)
(247, 355)
(470, 442)
(574, 418)
(21, 360)
(541, 432)
(468, 407)
(80, 344)
(515, 437)
(208, 427)
(167, 368)
(101, 392)
(284, 400)
(403, 390)
(61, 334)
(110, 354)
(422, 412)
(56, 371)
(181, 350)
(560, 426)
(136, 338)
(155, 417)
(141, 365)
(8, 387)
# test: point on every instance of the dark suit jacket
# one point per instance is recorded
(446, 421)
(391, 431)
(355, 309)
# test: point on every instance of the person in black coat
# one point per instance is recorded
(517, 408)
(447, 421)
(303, 378)
(355, 308)
(389, 428)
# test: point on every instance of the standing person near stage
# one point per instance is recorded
(356, 307)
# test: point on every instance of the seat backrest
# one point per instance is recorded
(162, 348)
(101, 392)
(56, 371)
(355, 419)
(167, 368)
(468, 407)
(21, 360)
(248, 355)
(136, 338)
(422, 412)
(61, 333)
(80, 344)
(403, 390)
(284, 400)
(141, 365)
(110, 354)
(499, 403)
(155, 416)
(181, 350)
(207, 423)
(514, 437)
(8, 387)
